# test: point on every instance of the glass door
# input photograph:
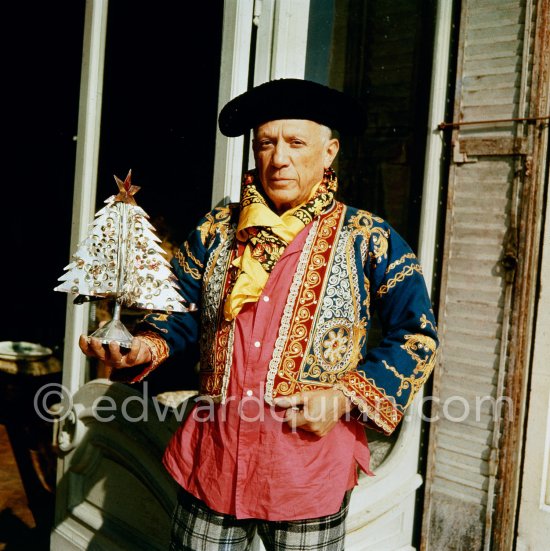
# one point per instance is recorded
(159, 119)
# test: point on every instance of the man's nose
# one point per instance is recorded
(280, 155)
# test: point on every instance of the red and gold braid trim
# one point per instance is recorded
(300, 311)
(159, 352)
(380, 409)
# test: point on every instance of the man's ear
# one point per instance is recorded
(331, 150)
(254, 147)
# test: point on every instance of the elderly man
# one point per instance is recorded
(286, 281)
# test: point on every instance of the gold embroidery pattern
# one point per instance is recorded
(214, 381)
(332, 333)
(182, 261)
(160, 317)
(216, 345)
(228, 349)
(363, 222)
(424, 322)
(339, 312)
(217, 220)
(418, 343)
(151, 318)
(335, 345)
(406, 272)
(159, 351)
(380, 244)
(380, 408)
(291, 351)
(223, 217)
(366, 302)
(219, 254)
(399, 261)
(204, 228)
(190, 254)
(415, 344)
(288, 315)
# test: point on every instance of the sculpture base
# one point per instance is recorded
(114, 331)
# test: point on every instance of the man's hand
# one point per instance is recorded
(113, 355)
(316, 411)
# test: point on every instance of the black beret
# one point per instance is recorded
(290, 98)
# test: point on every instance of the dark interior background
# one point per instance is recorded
(160, 107)
(42, 53)
(159, 119)
(380, 53)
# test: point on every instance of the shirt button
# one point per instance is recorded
(249, 393)
(266, 298)
(257, 344)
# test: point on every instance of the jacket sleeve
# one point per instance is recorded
(170, 333)
(388, 377)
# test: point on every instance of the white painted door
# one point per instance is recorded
(534, 508)
(112, 489)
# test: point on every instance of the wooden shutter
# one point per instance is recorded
(487, 276)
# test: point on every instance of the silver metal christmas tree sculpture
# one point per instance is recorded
(121, 258)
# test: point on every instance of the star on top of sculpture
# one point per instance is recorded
(126, 190)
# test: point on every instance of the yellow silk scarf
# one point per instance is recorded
(266, 235)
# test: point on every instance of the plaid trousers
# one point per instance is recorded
(196, 527)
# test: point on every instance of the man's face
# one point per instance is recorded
(291, 156)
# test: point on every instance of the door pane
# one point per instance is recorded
(381, 53)
(162, 70)
(162, 65)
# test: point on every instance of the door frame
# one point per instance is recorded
(277, 30)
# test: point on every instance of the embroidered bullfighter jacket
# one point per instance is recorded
(353, 264)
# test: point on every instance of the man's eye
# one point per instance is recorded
(297, 142)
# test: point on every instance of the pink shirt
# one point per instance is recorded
(240, 458)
